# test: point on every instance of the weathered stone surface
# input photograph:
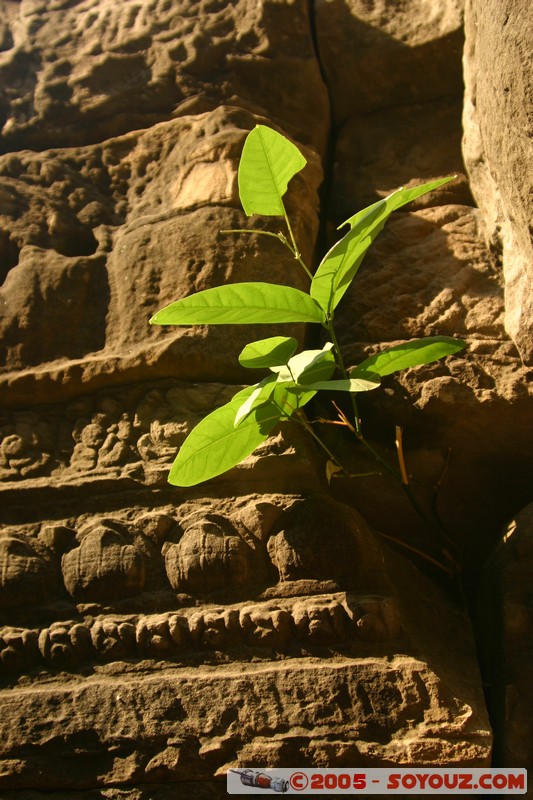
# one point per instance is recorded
(126, 436)
(402, 54)
(394, 76)
(427, 273)
(78, 73)
(199, 608)
(356, 643)
(498, 149)
(193, 723)
(134, 222)
(506, 626)
(110, 561)
(378, 152)
(26, 572)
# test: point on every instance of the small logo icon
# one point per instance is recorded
(261, 780)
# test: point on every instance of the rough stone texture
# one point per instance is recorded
(115, 437)
(200, 610)
(71, 70)
(506, 625)
(211, 681)
(193, 723)
(200, 613)
(394, 73)
(178, 632)
(498, 146)
(136, 222)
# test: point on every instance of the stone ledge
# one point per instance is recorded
(191, 724)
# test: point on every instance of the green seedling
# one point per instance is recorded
(232, 432)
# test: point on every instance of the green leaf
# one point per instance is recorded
(288, 399)
(271, 352)
(303, 397)
(291, 397)
(267, 164)
(241, 303)
(284, 400)
(409, 354)
(351, 385)
(341, 263)
(397, 199)
(261, 393)
(308, 366)
(216, 445)
(338, 268)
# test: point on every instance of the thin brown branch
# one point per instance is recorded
(399, 451)
(415, 550)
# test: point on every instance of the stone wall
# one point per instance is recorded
(498, 149)
(153, 637)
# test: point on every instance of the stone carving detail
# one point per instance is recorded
(64, 644)
(209, 557)
(284, 626)
(146, 197)
(26, 442)
(118, 432)
(26, 572)
(111, 561)
(303, 549)
(182, 561)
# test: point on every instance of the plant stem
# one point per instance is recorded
(399, 451)
(413, 550)
(304, 422)
(340, 364)
(357, 422)
(294, 249)
(250, 231)
(434, 526)
(281, 238)
(400, 476)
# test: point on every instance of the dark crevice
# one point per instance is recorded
(9, 255)
(81, 242)
(314, 39)
(329, 156)
(315, 334)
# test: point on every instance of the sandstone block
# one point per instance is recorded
(497, 146)
(82, 74)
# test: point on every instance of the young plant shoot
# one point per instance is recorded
(230, 433)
